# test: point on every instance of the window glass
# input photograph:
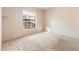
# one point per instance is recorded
(29, 19)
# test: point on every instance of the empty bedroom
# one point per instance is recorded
(40, 29)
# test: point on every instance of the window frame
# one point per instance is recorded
(32, 23)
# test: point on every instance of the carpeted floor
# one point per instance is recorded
(44, 41)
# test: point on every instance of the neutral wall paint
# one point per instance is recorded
(0, 30)
(12, 23)
(63, 21)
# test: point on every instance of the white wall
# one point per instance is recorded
(63, 21)
(12, 23)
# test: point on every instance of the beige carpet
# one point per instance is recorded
(44, 41)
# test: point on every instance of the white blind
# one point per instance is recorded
(29, 13)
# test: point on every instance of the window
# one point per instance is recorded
(29, 20)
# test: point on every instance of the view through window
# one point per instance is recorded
(29, 19)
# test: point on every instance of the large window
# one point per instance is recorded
(29, 19)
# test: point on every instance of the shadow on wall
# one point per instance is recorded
(64, 21)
